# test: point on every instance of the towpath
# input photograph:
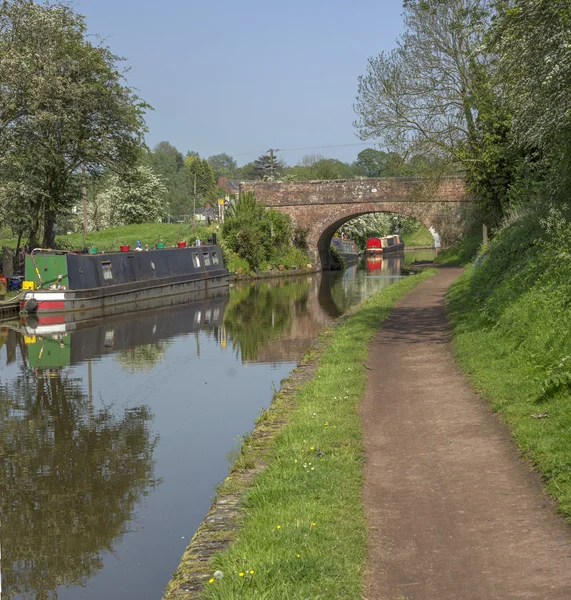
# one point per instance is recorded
(454, 513)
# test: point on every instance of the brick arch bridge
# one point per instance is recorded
(321, 207)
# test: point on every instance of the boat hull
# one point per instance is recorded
(112, 283)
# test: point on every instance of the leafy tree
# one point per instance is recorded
(364, 227)
(438, 95)
(137, 197)
(253, 232)
(200, 171)
(168, 162)
(533, 40)
(318, 167)
(267, 167)
(247, 172)
(223, 165)
(60, 107)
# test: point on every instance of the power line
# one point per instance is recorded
(258, 152)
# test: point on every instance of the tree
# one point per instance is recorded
(423, 96)
(136, 197)
(201, 179)
(439, 95)
(168, 162)
(533, 40)
(253, 232)
(60, 108)
(315, 166)
(223, 165)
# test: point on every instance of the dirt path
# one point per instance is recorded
(453, 512)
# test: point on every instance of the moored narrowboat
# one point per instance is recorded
(385, 244)
(58, 281)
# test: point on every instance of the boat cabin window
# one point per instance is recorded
(196, 260)
(206, 258)
(107, 271)
(215, 258)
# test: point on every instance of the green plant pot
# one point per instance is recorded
(160, 245)
(93, 250)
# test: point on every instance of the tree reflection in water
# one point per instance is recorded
(258, 314)
(69, 481)
(142, 357)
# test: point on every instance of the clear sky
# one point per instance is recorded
(243, 76)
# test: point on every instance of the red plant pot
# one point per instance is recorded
(181, 244)
(125, 248)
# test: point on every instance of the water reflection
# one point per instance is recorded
(70, 478)
(259, 313)
(93, 414)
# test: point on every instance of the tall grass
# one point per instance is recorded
(305, 534)
(512, 322)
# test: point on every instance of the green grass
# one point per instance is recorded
(420, 237)
(512, 321)
(147, 233)
(462, 253)
(305, 534)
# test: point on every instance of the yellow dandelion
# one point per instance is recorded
(278, 526)
(313, 524)
(298, 555)
(211, 580)
(241, 574)
(312, 448)
(251, 572)
(325, 424)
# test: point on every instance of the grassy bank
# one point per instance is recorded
(512, 317)
(420, 237)
(147, 233)
(304, 535)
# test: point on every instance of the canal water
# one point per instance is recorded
(115, 434)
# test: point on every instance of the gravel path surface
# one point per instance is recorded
(454, 513)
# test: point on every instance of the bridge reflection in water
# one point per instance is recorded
(114, 433)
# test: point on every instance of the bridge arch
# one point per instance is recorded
(320, 235)
(321, 207)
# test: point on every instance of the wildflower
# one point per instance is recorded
(312, 448)
(251, 572)
(298, 555)
(218, 574)
(241, 574)
(211, 580)
(326, 424)
(278, 526)
(313, 524)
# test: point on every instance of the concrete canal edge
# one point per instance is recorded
(222, 522)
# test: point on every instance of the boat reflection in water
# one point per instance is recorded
(65, 340)
(388, 266)
(74, 471)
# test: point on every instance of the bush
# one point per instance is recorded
(259, 236)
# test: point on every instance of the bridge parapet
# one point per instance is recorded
(343, 191)
(321, 207)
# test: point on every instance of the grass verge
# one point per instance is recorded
(420, 237)
(512, 317)
(303, 532)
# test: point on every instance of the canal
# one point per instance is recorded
(114, 436)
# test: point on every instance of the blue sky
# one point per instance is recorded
(244, 76)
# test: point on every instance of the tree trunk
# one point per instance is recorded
(35, 224)
(49, 232)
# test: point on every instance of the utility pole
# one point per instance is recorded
(194, 203)
(271, 152)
